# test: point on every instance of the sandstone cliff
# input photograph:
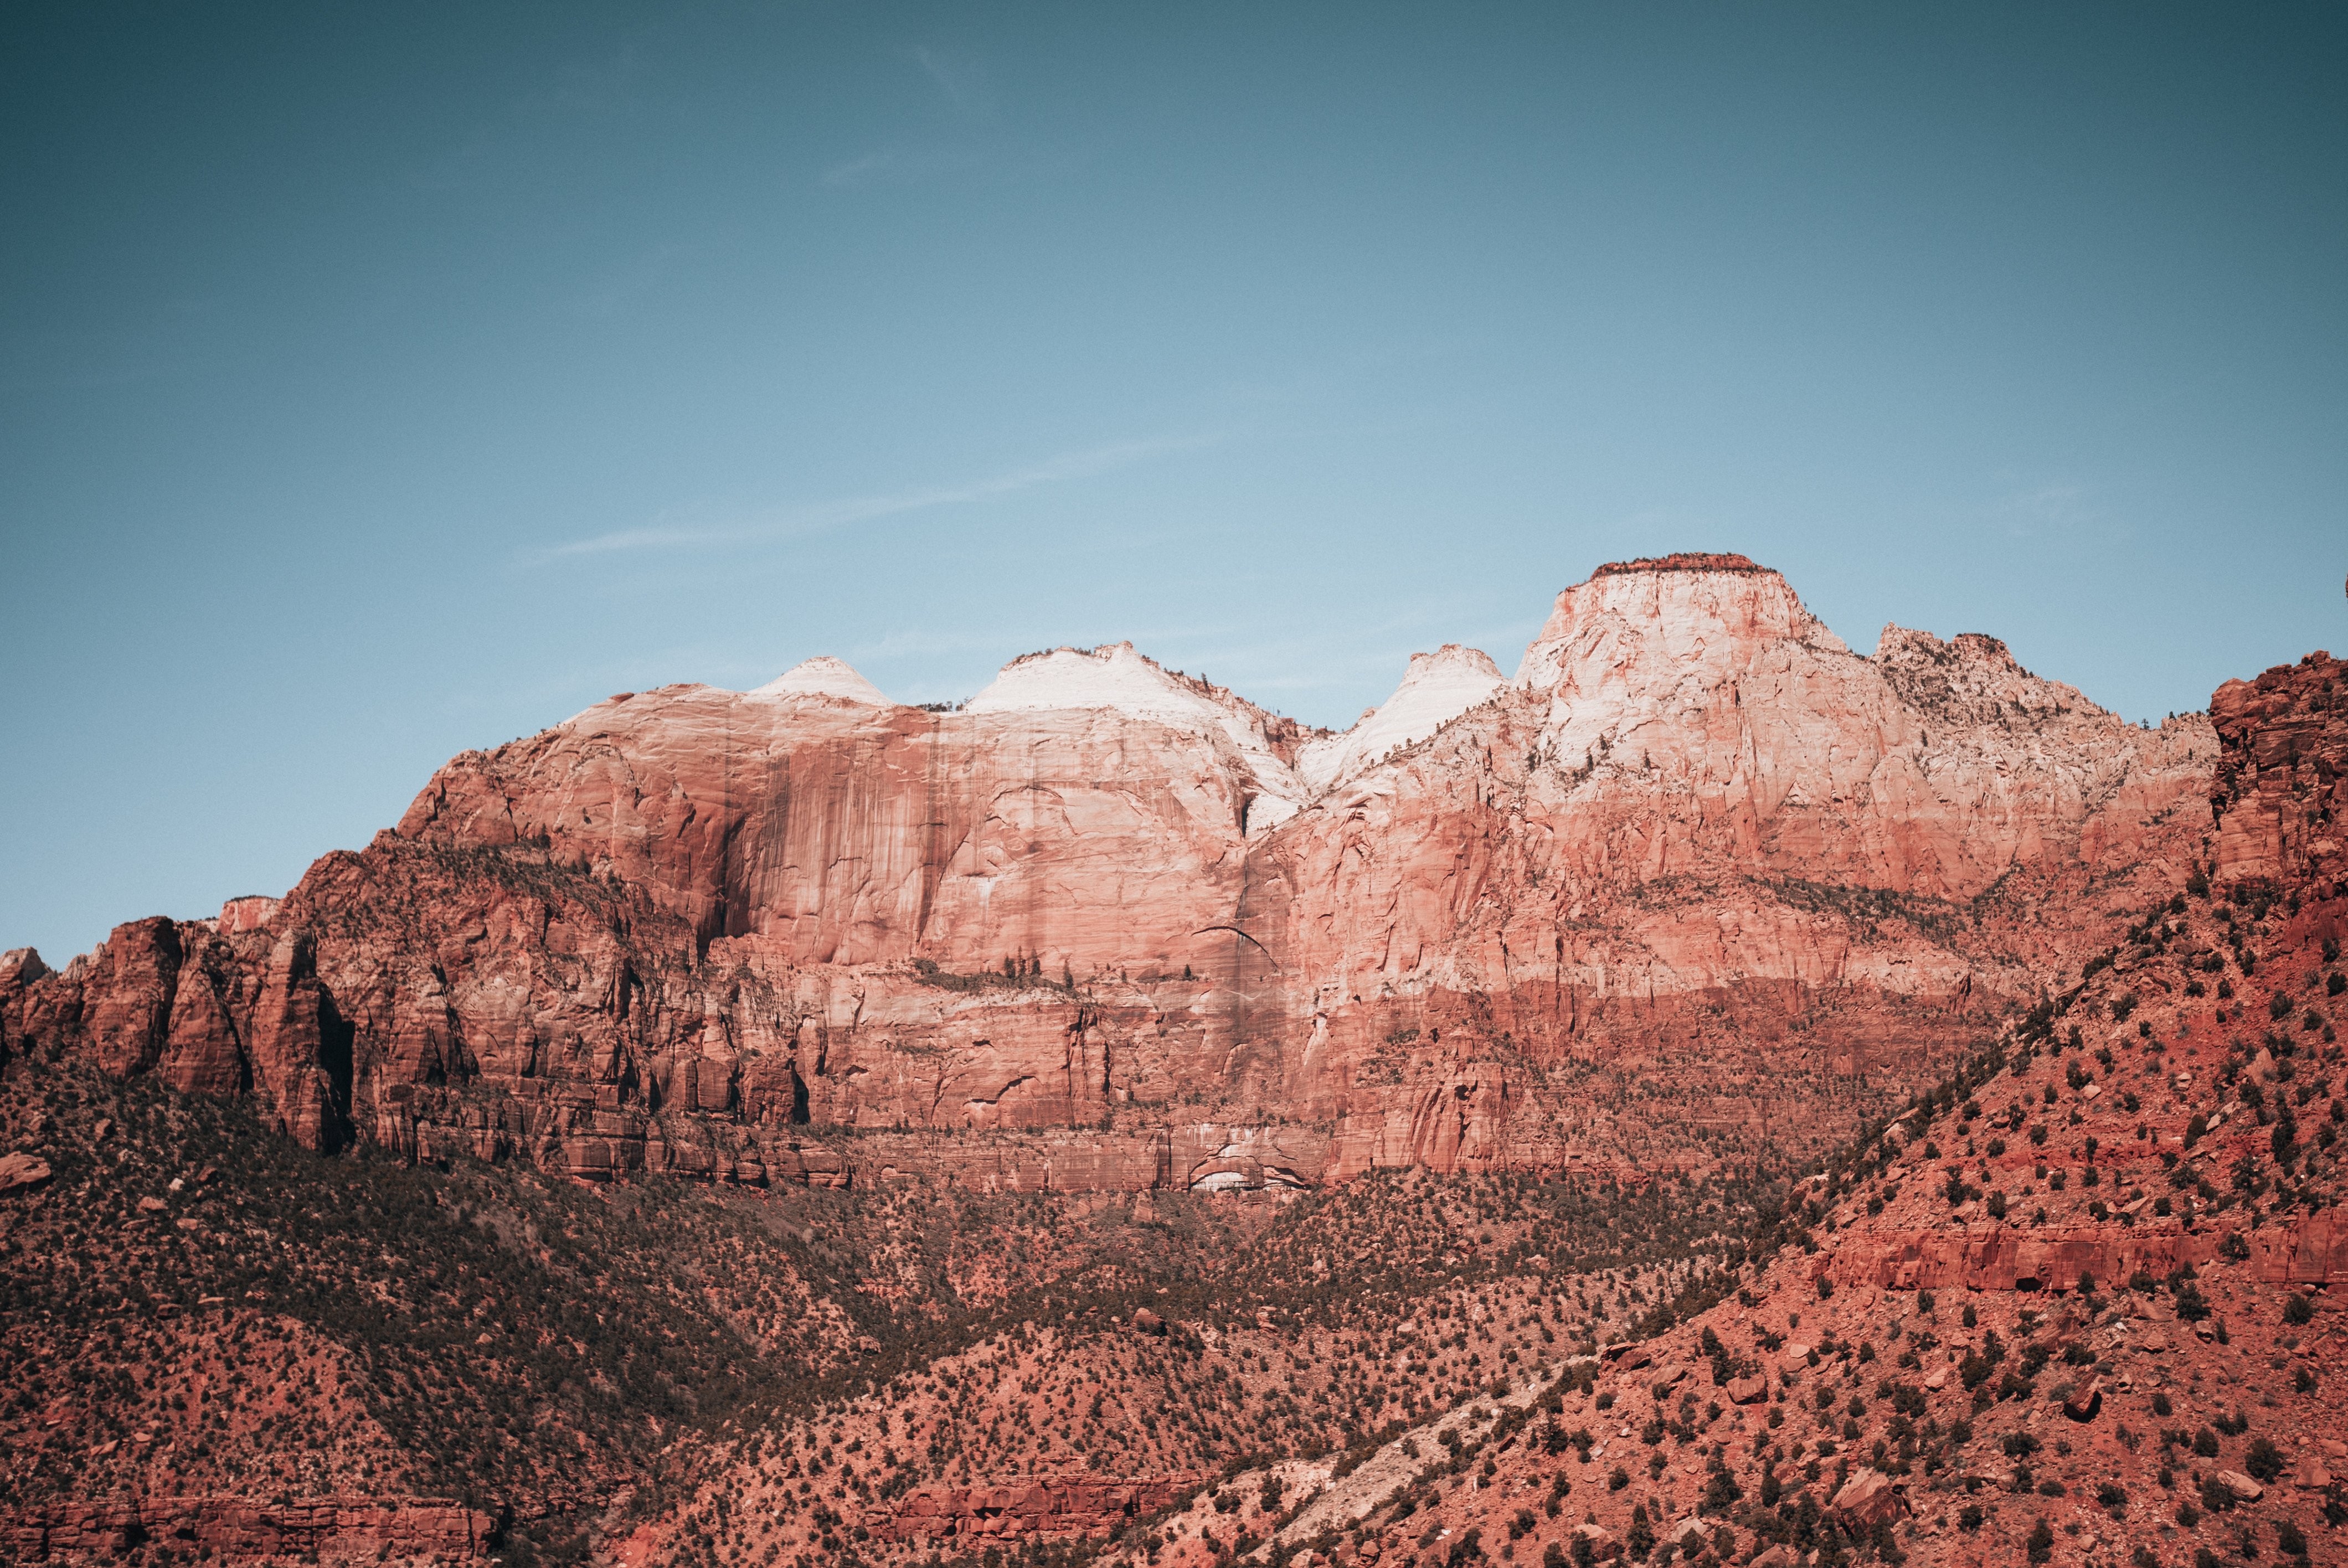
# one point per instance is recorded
(2035, 1310)
(2282, 772)
(1698, 880)
(2080, 1295)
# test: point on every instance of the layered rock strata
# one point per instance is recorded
(1698, 880)
(241, 1528)
(2283, 773)
(2087, 1291)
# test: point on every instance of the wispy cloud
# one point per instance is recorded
(964, 82)
(902, 165)
(2047, 509)
(970, 141)
(800, 522)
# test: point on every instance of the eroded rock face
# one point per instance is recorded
(1698, 878)
(1436, 689)
(2309, 1251)
(1055, 1509)
(341, 1529)
(1717, 722)
(2283, 778)
(20, 1172)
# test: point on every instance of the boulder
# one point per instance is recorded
(1866, 1499)
(20, 1172)
(2085, 1400)
(2312, 1475)
(2240, 1485)
(1147, 1322)
(1750, 1390)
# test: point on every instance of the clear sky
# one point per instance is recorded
(377, 382)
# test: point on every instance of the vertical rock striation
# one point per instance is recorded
(1698, 876)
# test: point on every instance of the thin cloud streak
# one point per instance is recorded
(1062, 469)
(964, 82)
(2048, 509)
(902, 165)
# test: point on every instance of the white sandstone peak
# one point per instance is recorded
(1654, 620)
(823, 676)
(1113, 675)
(1436, 689)
(1117, 677)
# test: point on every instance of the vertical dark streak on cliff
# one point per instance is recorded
(1261, 905)
(774, 829)
(936, 848)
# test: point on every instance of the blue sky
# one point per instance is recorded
(380, 383)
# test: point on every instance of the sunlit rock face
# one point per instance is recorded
(2282, 784)
(823, 677)
(1698, 880)
(1436, 689)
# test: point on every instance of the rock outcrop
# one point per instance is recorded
(243, 1529)
(1111, 925)
(1057, 1507)
(20, 1171)
(2283, 773)
(1991, 1256)
(1436, 689)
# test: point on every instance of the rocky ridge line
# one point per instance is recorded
(1699, 882)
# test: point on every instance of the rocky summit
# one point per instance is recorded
(1710, 1095)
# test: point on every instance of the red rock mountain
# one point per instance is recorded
(2075, 1303)
(2078, 1303)
(1697, 879)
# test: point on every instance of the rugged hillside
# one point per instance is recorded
(216, 1343)
(2077, 1304)
(2075, 1301)
(797, 1338)
(1699, 884)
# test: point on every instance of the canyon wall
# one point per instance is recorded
(1698, 880)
